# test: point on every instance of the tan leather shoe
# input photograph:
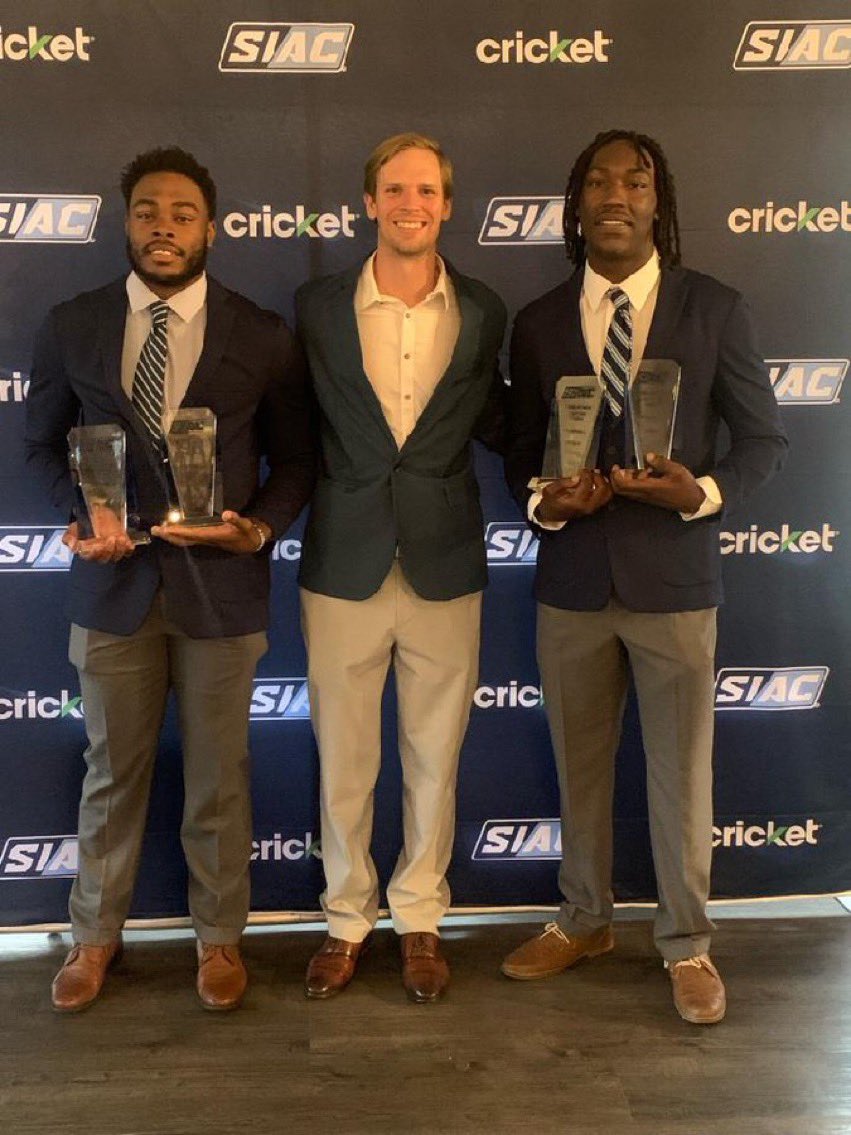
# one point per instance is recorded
(81, 978)
(552, 951)
(425, 972)
(222, 978)
(699, 995)
(333, 966)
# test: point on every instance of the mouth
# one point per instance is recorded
(163, 253)
(409, 225)
(613, 223)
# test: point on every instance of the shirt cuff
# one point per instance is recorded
(549, 525)
(712, 501)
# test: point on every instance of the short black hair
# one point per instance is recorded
(169, 159)
(666, 229)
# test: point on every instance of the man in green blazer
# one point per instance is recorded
(403, 356)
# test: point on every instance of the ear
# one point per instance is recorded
(369, 204)
(211, 233)
(447, 209)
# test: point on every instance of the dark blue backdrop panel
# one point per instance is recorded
(749, 106)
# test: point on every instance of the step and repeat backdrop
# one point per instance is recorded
(283, 101)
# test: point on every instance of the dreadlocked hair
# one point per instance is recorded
(666, 229)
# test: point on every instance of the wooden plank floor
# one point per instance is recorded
(597, 1051)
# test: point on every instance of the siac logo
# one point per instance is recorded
(57, 218)
(280, 699)
(39, 857)
(807, 382)
(556, 48)
(801, 217)
(510, 544)
(523, 220)
(519, 839)
(283, 225)
(287, 550)
(770, 688)
(17, 47)
(772, 834)
(277, 849)
(14, 386)
(33, 548)
(794, 45)
(270, 47)
(795, 541)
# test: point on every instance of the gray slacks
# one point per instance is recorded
(584, 657)
(124, 681)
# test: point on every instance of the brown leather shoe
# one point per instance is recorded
(333, 966)
(699, 995)
(81, 978)
(222, 978)
(552, 951)
(425, 972)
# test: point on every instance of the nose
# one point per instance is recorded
(161, 227)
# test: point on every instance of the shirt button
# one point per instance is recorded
(407, 356)
(407, 398)
(407, 315)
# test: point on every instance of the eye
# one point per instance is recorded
(184, 219)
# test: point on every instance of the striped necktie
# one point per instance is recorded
(149, 379)
(617, 353)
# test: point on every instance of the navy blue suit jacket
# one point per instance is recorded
(252, 375)
(648, 556)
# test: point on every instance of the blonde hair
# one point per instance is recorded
(390, 147)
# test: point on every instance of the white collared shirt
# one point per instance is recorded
(405, 350)
(187, 322)
(596, 310)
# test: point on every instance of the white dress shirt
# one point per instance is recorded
(405, 350)
(596, 310)
(187, 321)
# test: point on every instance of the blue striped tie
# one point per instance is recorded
(149, 379)
(617, 353)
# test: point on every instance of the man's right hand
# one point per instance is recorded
(572, 497)
(99, 549)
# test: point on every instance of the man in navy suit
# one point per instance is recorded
(188, 611)
(402, 353)
(628, 571)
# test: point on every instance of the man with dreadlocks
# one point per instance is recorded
(628, 567)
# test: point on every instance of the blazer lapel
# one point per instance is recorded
(111, 321)
(220, 317)
(666, 316)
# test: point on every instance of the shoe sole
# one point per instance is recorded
(228, 1008)
(595, 953)
(701, 1020)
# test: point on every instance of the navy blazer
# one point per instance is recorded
(648, 556)
(375, 500)
(251, 374)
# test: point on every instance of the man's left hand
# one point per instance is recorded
(237, 534)
(664, 483)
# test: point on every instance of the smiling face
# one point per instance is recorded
(617, 207)
(168, 232)
(409, 205)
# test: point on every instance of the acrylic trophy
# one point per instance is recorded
(98, 459)
(573, 434)
(193, 480)
(653, 397)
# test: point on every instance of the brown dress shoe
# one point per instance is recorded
(80, 980)
(552, 951)
(222, 978)
(699, 995)
(333, 966)
(425, 972)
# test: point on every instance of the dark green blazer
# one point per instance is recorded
(374, 500)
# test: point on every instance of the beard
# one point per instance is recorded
(194, 264)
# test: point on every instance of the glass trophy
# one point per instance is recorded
(573, 435)
(193, 481)
(98, 459)
(653, 397)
